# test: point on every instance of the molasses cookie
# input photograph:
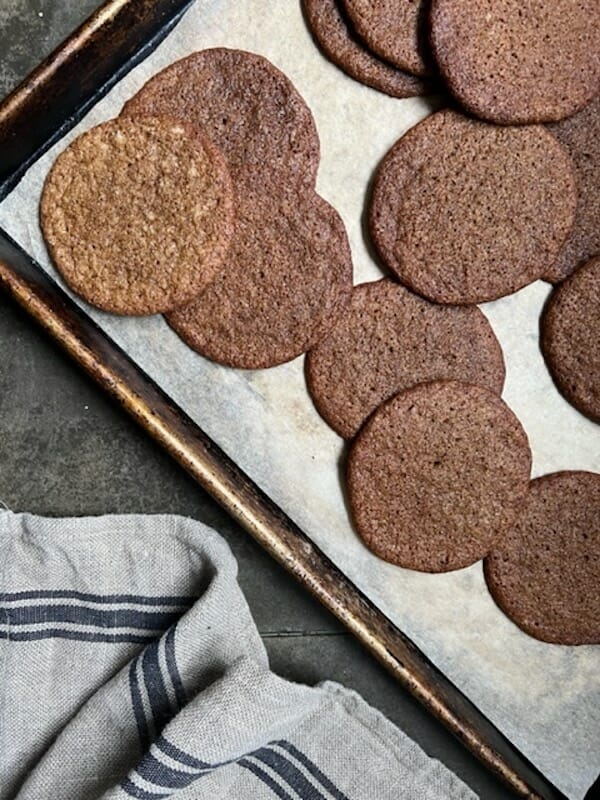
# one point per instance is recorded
(391, 339)
(395, 30)
(545, 572)
(437, 475)
(464, 212)
(580, 135)
(248, 107)
(571, 338)
(288, 276)
(329, 25)
(138, 215)
(518, 61)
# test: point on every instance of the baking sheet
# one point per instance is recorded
(544, 698)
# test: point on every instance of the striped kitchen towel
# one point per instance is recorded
(130, 667)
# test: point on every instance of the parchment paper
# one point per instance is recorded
(545, 698)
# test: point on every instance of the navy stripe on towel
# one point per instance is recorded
(135, 791)
(83, 615)
(138, 705)
(72, 594)
(173, 669)
(176, 754)
(281, 768)
(294, 778)
(311, 767)
(266, 779)
(77, 636)
(155, 686)
(154, 771)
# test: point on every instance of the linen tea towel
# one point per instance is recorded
(130, 666)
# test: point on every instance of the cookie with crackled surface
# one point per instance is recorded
(518, 61)
(580, 136)
(570, 338)
(138, 215)
(390, 339)
(331, 28)
(395, 30)
(288, 278)
(437, 475)
(247, 106)
(544, 573)
(465, 212)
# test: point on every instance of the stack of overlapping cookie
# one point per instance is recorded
(199, 202)
(469, 206)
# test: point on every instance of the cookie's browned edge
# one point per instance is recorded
(38, 113)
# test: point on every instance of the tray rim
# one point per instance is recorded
(22, 279)
(60, 79)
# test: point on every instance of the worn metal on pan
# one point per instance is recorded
(38, 113)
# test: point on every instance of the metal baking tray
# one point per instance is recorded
(36, 115)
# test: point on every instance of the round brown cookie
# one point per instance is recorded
(437, 475)
(518, 61)
(580, 135)
(571, 338)
(248, 107)
(138, 215)
(395, 30)
(331, 28)
(545, 572)
(389, 340)
(465, 212)
(289, 275)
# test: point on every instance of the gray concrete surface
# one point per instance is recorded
(66, 450)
